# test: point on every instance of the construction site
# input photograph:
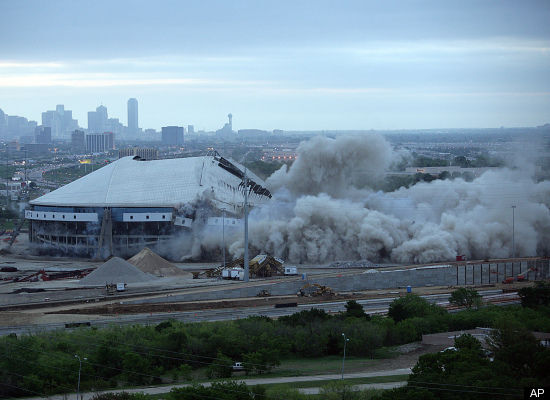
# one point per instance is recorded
(163, 239)
(38, 294)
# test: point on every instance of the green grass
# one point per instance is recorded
(322, 365)
(351, 381)
(309, 366)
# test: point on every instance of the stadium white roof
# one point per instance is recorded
(130, 182)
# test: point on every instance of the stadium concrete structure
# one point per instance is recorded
(132, 203)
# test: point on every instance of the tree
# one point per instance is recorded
(461, 161)
(354, 309)
(221, 367)
(538, 295)
(411, 306)
(445, 175)
(229, 390)
(516, 347)
(339, 390)
(120, 396)
(261, 361)
(467, 342)
(465, 297)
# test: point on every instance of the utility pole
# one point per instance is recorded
(25, 165)
(7, 172)
(513, 231)
(79, 370)
(246, 268)
(223, 235)
(346, 340)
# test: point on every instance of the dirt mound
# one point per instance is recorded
(116, 270)
(151, 263)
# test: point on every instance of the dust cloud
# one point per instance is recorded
(325, 207)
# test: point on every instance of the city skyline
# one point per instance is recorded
(306, 66)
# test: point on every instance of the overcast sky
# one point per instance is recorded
(295, 65)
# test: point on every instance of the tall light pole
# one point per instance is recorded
(513, 231)
(346, 340)
(25, 165)
(246, 267)
(223, 235)
(7, 172)
(79, 370)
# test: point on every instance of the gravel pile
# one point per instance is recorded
(116, 270)
(150, 262)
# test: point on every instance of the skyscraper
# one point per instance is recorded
(43, 135)
(172, 135)
(133, 116)
(97, 120)
(60, 121)
(100, 142)
(78, 141)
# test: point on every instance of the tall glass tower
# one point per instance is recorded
(133, 116)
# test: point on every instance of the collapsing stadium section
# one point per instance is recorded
(131, 203)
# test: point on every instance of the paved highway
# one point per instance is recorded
(371, 306)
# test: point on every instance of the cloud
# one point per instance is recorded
(32, 64)
(108, 80)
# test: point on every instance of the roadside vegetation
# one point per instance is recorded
(173, 352)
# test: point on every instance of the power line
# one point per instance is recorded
(109, 341)
(26, 390)
(463, 391)
(56, 385)
(119, 369)
(470, 386)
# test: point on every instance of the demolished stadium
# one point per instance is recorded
(132, 203)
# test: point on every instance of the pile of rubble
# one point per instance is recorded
(261, 266)
(353, 264)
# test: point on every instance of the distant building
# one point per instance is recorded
(97, 120)
(43, 135)
(100, 142)
(143, 153)
(3, 123)
(37, 148)
(227, 128)
(252, 132)
(14, 145)
(172, 135)
(190, 129)
(133, 117)
(78, 141)
(151, 135)
(26, 139)
(19, 126)
(115, 126)
(60, 121)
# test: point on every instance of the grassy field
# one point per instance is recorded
(351, 381)
(322, 365)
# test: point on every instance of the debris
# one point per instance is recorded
(264, 293)
(353, 264)
(264, 265)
